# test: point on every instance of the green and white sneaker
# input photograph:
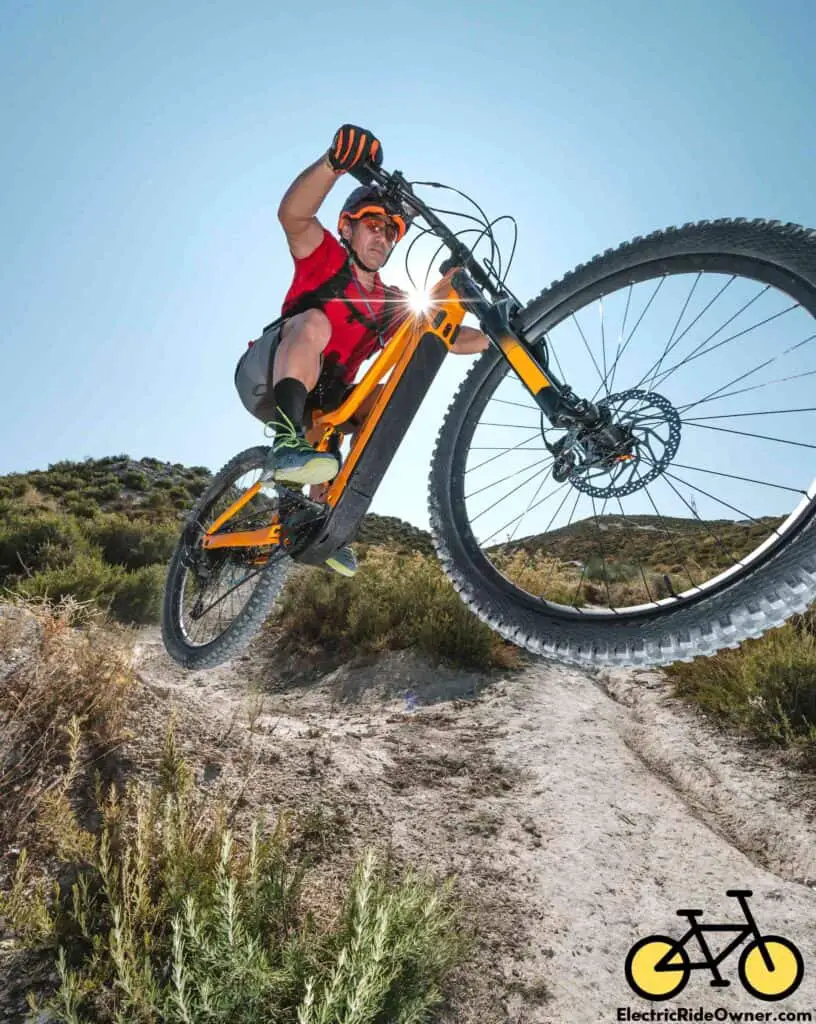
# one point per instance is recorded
(343, 562)
(293, 460)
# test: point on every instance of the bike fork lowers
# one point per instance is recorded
(556, 400)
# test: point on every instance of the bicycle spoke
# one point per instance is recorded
(757, 412)
(226, 594)
(589, 350)
(713, 394)
(674, 329)
(741, 334)
(518, 405)
(745, 515)
(603, 341)
(546, 497)
(508, 495)
(696, 515)
(747, 479)
(601, 549)
(702, 313)
(628, 531)
(551, 349)
(742, 391)
(618, 350)
(743, 433)
(506, 426)
(502, 451)
(530, 503)
(670, 537)
(634, 329)
(509, 476)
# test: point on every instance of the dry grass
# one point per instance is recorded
(154, 907)
(66, 684)
(767, 686)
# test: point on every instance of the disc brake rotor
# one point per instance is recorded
(638, 444)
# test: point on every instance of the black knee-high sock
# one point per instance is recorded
(290, 398)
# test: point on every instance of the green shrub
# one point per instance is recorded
(32, 541)
(138, 596)
(87, 578)
(135, 480)
(84, 507)
(605, 571)
(197, 487)
(132, 597)
(133, 543)
(396, 601)
(767, 685)
(109, 491)
(159, 501)
(17, 486)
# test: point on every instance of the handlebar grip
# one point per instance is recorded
(367, 173)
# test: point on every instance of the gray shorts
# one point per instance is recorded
(253, 375)
(253, 380)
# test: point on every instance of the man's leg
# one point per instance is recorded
(295, 373)
(351, 429)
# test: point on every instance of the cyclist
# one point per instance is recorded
(335, 315)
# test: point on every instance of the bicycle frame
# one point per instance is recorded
(664, 964)
(711, 962)
(412, 357)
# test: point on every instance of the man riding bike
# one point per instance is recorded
(336, 314)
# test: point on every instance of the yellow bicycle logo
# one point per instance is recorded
(771, 967)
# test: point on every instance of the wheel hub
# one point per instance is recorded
(635, 440)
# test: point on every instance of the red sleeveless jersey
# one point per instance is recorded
(351, 341)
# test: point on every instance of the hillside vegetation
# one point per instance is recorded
(102, 531)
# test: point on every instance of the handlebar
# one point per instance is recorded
(395, 185)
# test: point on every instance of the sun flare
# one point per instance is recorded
(419, 300)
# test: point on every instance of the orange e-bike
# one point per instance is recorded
(624, 477)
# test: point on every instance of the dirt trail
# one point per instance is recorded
(579, 813)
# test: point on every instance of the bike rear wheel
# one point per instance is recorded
(655, 581)
(643, 975)
(216, 600)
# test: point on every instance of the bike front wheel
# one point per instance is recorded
(776, 979)
(694, 529)
(215, 600)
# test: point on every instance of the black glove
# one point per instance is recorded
(353, 147)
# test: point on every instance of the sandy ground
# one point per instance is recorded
(578, 813)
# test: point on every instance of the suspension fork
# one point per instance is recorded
(556, 400)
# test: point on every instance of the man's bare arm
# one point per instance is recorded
(468, 341)
(300, 203)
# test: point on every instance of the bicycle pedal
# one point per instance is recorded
(723, 983)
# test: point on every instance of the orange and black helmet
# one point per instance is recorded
(370, 199)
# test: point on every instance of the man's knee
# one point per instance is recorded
(311, 327)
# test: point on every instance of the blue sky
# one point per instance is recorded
(147, 146)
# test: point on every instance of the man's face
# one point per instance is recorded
(372, 237)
